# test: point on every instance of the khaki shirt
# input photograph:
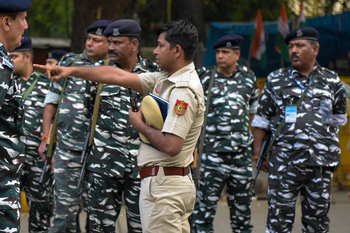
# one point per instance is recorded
(183, 85)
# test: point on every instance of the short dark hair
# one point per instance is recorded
(183, 33)
(12, 15)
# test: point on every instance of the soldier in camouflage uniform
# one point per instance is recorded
(113, 162)
(12, 140)
(71, 130)
(226, 158)
(39, 195)
(306, 149)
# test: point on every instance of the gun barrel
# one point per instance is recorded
(86, 146)
(44, 170)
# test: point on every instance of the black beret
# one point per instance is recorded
(231, 41)
(307, 33)
(14, 5)
(26, 44)
(98, 27)
(56, 54)
(123, 27)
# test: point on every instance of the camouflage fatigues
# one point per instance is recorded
(227, 152)
(39, 195)
(71, 132)
(113, 161)
(12, 142)
(305, 152)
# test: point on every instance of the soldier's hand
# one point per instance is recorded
(41, 150)
(54, 73)
(265, 166)
(136, 118)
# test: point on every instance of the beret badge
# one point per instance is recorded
(115, 32)
(99, 31)
(299, 33)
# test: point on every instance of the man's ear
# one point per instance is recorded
(135, 44)
(5, 23)
(28, 56)
(178, 50)
(315, 49)
(238, 52)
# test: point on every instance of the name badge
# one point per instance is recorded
(291, 114)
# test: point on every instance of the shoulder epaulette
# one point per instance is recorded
(329, 71)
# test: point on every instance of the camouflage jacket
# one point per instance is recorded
(73, 120)
(309, 141)
(232, 100)
(12, 139)
(116, 142)
(33, 106)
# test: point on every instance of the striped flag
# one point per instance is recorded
(301, 18)
(259, 43)
(282, 31)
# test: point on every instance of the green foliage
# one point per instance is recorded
(241, 10)
(51, 19)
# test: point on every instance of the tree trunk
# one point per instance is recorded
(87, 12)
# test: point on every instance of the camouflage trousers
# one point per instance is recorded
(9, 193)
(285, 184)
(68, 194)
(217, 170)
(105, 201)
(39, 195)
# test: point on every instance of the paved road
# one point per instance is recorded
(339, 214)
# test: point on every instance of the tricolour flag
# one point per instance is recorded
(259, 43)
(301, 18)
(282, 31)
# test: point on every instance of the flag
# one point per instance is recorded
(259, 43)
(301, 18)
(282, 31)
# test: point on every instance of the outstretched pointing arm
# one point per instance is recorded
(101, 74)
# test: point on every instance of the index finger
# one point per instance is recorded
(40, 68)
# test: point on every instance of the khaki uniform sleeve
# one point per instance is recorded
(177, 123)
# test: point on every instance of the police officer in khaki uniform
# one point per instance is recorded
(167, 190)
(12, 141)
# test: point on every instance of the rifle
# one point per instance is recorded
(133, 101)
(89, 139)
(91, 131)
(262, 155)
(85, 154)
(48, 157)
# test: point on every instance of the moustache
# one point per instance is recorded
(294, 55)
(112, 52)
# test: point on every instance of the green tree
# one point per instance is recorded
(69, 18)
(52, 19)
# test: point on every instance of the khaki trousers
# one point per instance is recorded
(166, 202)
